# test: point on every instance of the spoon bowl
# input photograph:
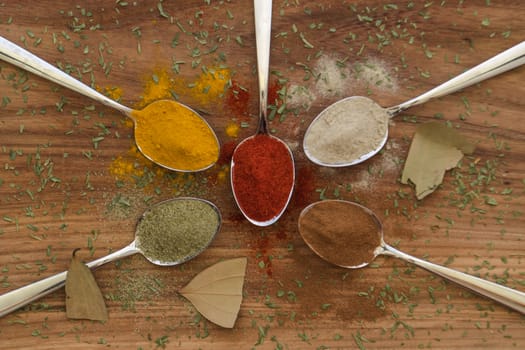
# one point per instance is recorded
(17, 298)
(266, 200)
(361, 235)
(265, 151)
(355, 128)
(150, 137)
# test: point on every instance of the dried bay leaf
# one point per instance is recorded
(435, 149)
(83, 297)
(216, 292)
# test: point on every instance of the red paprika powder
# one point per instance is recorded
(237, 99)
(262, 176)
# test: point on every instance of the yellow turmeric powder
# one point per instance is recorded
(158, 88)
(159, 84)
(173, 135)
(232, 130)
(211, 85)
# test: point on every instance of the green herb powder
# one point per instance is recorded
(176, 230)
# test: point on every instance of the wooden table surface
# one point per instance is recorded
(58, 191)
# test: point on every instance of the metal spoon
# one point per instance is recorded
(512, 298)
(263, 23)
(364, 111)
(17, 298)
(22, 58)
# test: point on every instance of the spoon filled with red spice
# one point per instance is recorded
(330, 225)
(262, 166)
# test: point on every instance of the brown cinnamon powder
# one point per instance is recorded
(341, 232)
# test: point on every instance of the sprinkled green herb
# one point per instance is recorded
(161, 10)
(306, 43)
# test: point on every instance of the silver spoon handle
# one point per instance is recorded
(24, 59)
(22, 296)
(263, 30)
(507, 60)
(507, 296)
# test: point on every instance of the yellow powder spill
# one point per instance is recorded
(232, 130)
(134, 167)
(157, 87)
(114, 93)
(207, 89)
(223, 173)
(211, 85)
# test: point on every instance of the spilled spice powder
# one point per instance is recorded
(273, 93)
(341, 232)
(232, 130)
(114, 92)
(237, 99)
(262, 177)
(305, 186)
(157, 87)
(226, 154)
(129, 165)
(209, 88)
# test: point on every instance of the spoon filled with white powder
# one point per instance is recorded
(355, 128)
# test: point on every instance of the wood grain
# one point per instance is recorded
(56, 187)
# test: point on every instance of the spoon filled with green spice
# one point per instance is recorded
(262, 166)
(355, 128)
(349, 235)
(167, 132)
(167, 234)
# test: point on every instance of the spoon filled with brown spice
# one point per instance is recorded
(329, 226)
(355, 128)
(167, 132)
(167, 234)
(262, 166)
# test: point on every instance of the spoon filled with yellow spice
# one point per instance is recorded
(169, 233)
(167, 132)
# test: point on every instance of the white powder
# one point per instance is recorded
(346, 131)
(331, 78)
(337, 77)
(299, 97)
(375, 73)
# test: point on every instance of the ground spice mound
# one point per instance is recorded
(346, 131)
(176, 230)
(175, 137)
(341, 232)
(262, 177)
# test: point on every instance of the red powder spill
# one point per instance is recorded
(262, 244)
(273, 93)
(268, 266)
(305, 186)
(226, 154)
(237, 99)
(280, 235)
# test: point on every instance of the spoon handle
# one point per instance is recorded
(263, 30)
(22, 296)
(24, 59)
(512, 298)
(506, 60)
